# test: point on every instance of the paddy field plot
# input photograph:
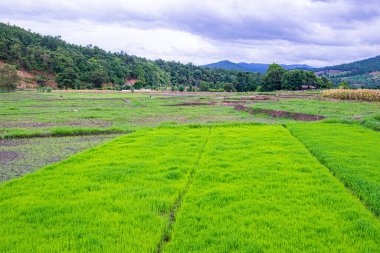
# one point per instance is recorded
(237, 188)
(351, 152)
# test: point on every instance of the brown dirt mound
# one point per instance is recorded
(280, 114)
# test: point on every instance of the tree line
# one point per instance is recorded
(79, 67)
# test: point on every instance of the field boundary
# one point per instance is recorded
(324, 163)
(166, 236)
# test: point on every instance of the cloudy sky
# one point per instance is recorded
(314, 32)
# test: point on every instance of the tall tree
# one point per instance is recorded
(273, 77)
(67, 79)
(293, 80)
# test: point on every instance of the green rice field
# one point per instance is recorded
(188, 172)
(224, 188)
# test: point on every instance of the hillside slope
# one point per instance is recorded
(92, 67)
(364, 73)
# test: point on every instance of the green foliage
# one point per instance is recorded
(229, 87)
(293, 80)
(204, 86)
(138, 85)
(344, 85)
(362, 74)
(8, 78)
(67, 79)
(95, 66)
(326, 83)
(273, 77)
(181, 88)
(351, 152)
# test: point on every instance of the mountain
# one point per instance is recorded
(364, 73)
(252, 67)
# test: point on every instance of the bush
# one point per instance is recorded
(8, 78)
(181, 88)
(344, 85)
(229, 87)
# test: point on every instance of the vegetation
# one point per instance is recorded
(347, 94)
(91, 67)
(362, 74)
(77, 67)
(259, 190)
(99, 202)
(273, 77)
(229, 188)
(213, 188)
(8, 78)
(350, 152)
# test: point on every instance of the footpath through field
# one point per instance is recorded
(245, 188)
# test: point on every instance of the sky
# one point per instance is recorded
(314, 32)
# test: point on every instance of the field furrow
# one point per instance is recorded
(258, 189)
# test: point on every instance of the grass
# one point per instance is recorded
(113, 198)
(59, 132)
(351, 152)
(238, 188)
(352, 112)
(258, 189)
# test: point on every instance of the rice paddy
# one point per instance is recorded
(227, 188)
(176, 172)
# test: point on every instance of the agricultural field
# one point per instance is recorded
(188, 172)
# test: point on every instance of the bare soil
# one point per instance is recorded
(280, 114)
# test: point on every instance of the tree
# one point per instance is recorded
(204, 86)
(293, 80)
(8, 78)
(325, 83)
(229, 87)
(311, 79)
(67, 79)
(344, 85)
(273, 77)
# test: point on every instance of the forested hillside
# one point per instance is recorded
(365, 73)
(89, 66)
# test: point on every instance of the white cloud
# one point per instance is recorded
(202, 31)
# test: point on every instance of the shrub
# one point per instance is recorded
(8, 78)
(181, 88)
(344, 85)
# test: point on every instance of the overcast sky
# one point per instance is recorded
(314, 32)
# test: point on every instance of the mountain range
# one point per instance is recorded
(364, 73)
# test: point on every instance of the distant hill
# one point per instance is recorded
(46, 59)
(252, 67)
(364, 73)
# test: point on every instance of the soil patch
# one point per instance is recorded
(280, 114)
(6, 156)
